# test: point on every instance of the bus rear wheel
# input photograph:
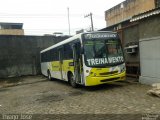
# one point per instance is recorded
(72, 81)
(49, 75)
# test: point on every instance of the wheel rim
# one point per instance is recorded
(49, 76)
(72, 81)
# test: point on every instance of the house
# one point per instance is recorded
(11, 28)
(127, 9)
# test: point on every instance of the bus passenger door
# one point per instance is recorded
(77, 65)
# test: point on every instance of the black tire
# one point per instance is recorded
(49, 75)
(72, 81)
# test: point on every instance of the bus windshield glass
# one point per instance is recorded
(100, 52)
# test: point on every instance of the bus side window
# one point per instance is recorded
(52, 54)
(56, 57)
(68, 54)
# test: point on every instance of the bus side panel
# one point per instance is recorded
(44, 68)
(55, 69)
(67, 67)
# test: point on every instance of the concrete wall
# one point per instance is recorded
(149, 50)
(126, 10)
(19, 55)
(149, 27)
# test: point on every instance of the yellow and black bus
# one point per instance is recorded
(87, 59)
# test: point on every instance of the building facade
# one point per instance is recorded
(127, 9)
(11, 28)
(149, 45)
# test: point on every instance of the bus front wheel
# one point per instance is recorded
(72, 81)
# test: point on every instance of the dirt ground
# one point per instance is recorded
(37, 95)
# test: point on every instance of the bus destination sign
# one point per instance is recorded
(100, 35)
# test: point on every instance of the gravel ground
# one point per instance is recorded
(37, 95)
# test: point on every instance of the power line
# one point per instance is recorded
(10, 15)
(38, 15)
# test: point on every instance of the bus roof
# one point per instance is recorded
(71, 39)
(62, 42)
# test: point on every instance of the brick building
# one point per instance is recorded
(11, 28)
(127, 9)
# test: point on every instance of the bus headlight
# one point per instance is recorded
(87, 71)
(123, 68)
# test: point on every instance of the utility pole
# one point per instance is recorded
(68, 21)
(90, 15)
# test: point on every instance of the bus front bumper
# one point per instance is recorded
(92, 81)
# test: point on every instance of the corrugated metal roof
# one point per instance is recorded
(145, 15)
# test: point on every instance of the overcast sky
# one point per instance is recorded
(49, 16)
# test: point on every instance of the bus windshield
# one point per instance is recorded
(103, 52)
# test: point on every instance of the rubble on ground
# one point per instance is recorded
(155, 90)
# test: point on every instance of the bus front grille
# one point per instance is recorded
(112, 79)
(109, 73)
